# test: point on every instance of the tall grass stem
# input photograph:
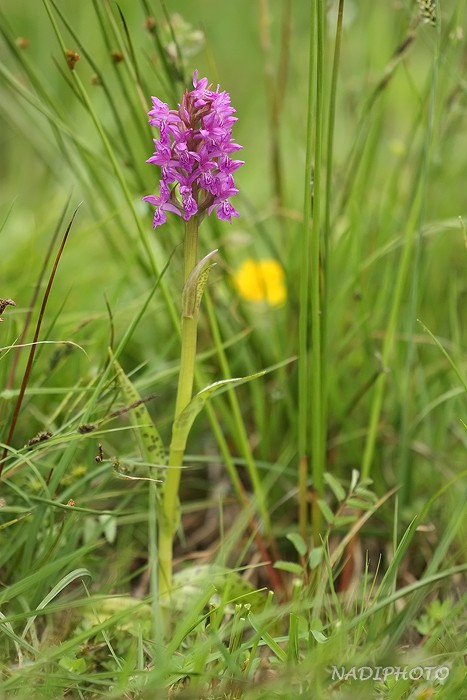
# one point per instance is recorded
(318, 311)
(304, 294)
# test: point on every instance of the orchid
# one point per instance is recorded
(194, 154)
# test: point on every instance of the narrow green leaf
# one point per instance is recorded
(182, 425)
(147, 435)
(446, 355)
(318, 636)
(58, 588)
(289, 566)
(8, 631)
(268, 639)
(14, 521)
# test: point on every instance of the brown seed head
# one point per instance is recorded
(72, 58)
(117, 56)
(150, 24)
(22, 43)
(3, 304)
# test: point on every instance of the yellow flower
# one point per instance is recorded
(261, 280)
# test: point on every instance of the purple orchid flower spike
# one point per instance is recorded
(193, 153)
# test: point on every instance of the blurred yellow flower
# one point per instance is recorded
(261, 280)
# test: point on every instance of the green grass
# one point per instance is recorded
(323, 502)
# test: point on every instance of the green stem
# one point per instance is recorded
(168, 525)
(331, 119)
(303, 339)
(316, 296)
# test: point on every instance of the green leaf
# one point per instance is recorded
(315, 558)
(365, 493)
(326, 511)
(147, 435)
(289, 566)
(359, 503)
(203, 278)
(298, 542)
(425, 625)
(182, 424)
(316, 629)
(335, 486)
(440, 610)
(354, 479)
(109, 524)
(67, 580)
(194, 286)
(446, 355)
(318, 636)
(258, 626)
(14, 521)
(72, 664)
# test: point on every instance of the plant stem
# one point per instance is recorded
(274, 88)
(303, 333)
(316, 292)
(331, 119)
(168, 525)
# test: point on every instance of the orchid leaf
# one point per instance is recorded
(195, 285)
(185, 420)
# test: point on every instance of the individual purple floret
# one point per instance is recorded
(193, 153)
